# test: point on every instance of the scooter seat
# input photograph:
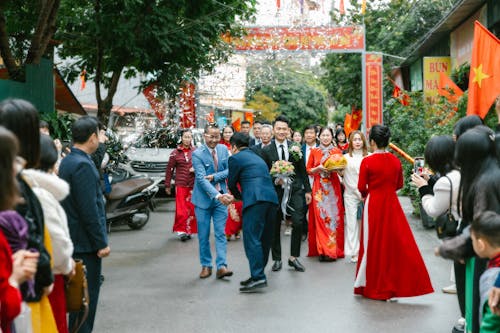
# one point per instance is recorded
(133, 185)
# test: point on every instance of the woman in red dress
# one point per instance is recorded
(390, 264)
(326, 211)
(234, 210)
(180, 161)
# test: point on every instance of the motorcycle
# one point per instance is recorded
(130, 199)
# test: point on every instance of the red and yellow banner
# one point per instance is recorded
(373, 64)
(187, 105)
(300, 38)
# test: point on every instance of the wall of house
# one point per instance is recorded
(38, 87)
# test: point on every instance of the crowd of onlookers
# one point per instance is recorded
(52, 210)
(51, 214)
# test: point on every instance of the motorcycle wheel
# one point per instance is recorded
(139, 219)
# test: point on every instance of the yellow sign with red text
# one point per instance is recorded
(432, 67)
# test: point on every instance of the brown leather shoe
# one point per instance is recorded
(223, 272)
(205, 272)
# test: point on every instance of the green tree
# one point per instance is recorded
(392, 27)
(264, 105)
(165, 41)
(298, 94)
(26, 29)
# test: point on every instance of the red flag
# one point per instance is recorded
(83, 79)
(278, 4)
(484, 79)
(347, 124)
(237, 124)
(210, 117)
(447, 88)
(249, 117)
(400, 95)
(341, 7)
(356, 118)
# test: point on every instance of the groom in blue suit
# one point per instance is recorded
(260, 203)
(210, 198)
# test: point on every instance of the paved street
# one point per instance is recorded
(152, 285)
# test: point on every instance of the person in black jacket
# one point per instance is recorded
(85, 210)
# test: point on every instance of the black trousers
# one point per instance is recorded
(296, 211)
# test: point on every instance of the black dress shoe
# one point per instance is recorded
(276, 266)
(253, 286)
(323, 258)
(296, 264)
(246, 282)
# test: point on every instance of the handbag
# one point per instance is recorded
(77, 294)
(446, 225)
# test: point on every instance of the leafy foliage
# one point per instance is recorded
(59, 124)
(163, 41)
(392, 27)
(296, 93)
(264, 105)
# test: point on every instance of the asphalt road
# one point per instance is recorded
(152, 285)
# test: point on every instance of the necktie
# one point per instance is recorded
(216, 167)
(216, 162)
(282, 152)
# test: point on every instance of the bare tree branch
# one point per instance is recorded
(41, 26)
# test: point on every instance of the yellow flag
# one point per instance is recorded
(363, 7)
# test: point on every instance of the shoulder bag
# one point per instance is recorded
(446, 225)
(77, 294)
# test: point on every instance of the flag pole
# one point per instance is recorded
(363, 79)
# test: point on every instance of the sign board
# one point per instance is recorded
(431, 69)
(373, 68)
(300, 38)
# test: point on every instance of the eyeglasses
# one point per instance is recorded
(213, 137)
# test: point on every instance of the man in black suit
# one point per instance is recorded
(299, 196)
(85, 210)
(259, 207)
(266, 134)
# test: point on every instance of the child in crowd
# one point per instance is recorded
(485, 233)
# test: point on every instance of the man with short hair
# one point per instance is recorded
(257, 127)
(245, 127)
(260, 201)
(309, 143)
(210, 198)
(300, 192)
(266, 134)
(85, 210)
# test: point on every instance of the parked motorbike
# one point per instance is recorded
(131, 198)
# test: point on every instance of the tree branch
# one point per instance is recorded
(36, 41)
(8, 59)
(50, 29)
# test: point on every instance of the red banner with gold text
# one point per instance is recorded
(299, 38)
(373, 63)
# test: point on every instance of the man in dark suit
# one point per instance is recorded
(85, 210)
(256, 139)
(266, 134)
(260, 202)
(300, 192)
(309, 143)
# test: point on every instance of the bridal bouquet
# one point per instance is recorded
(283, 170)
(295, 151)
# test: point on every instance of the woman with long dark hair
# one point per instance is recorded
(181, 162)
(479, 191)
(21, 117)
(390, 264)
(20, 267)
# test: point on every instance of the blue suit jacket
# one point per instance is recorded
(84, 206)
(204, 192)
(251, 172)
